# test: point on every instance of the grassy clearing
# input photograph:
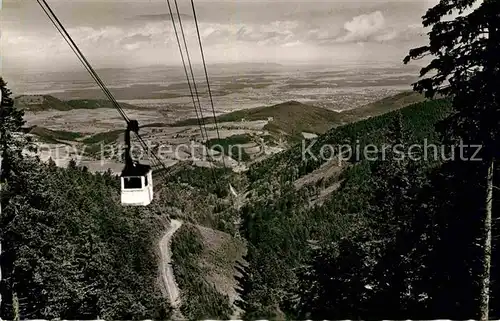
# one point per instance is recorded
(220, 256)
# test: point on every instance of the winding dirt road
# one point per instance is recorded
(166, 265)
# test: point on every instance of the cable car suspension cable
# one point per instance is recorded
(185, 69)
(209, 154)
(53, 18)
(57, 23)
(191, 69)
(201, 120)
(206, 74)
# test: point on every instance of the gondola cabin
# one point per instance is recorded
(137, 185)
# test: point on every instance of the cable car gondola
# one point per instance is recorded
(136, 179)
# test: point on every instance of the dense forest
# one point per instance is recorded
(285, 231)
(399, 237)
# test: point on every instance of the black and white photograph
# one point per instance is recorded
(249, 159)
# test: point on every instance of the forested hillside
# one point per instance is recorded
(69, 249)
(390, 226)
(419, 119)
(76, 253)
(407, 233)
(384, 244)
(292, 242)
(283, 227)
(412, 237)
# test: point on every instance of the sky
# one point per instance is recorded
(118, 33)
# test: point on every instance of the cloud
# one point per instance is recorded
(387, 35)
(362, 27)
(152, 41)
(411, 33)
(135, 39)
(159, 17)
(375, 28)
(132, 46)
(293, 44)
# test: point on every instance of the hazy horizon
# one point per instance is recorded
(138, 33)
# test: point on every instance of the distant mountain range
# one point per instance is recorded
(254, 66)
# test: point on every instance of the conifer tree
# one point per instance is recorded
(11, 121)
(364, 275)
(466, 68)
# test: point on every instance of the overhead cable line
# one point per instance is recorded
(191, 68)
(209, 154)
(201, 120)
(57, 23)
(53, 18)
(185, 69)
(206, 75)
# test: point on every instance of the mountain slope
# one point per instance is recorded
(282, 221)
(40, 103)
(293, 202)
(37, 103)
(290, 118)
(78, 253)
(420, 119)
(382, 106)
(278, 220)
